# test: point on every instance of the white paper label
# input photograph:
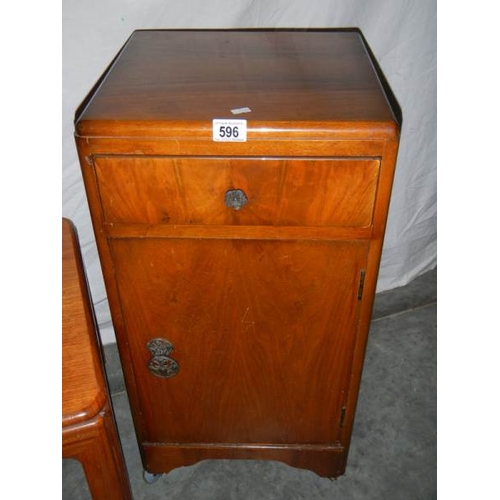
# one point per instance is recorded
(229, 130)
(239, 111)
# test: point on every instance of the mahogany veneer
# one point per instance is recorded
(241, 329)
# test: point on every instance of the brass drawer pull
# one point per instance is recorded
(235, 199)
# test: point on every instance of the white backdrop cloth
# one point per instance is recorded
(401, 34)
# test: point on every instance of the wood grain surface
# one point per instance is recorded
(168, 78)
(285, 192)
(262, 332)
(83, 393)
(263, 305)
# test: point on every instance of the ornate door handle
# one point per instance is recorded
(160, 363)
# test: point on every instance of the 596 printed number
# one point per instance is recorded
(229, 130)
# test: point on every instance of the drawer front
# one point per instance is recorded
(240, 191)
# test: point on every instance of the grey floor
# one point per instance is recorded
(393, 449)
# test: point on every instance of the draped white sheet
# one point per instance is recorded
(402, 36)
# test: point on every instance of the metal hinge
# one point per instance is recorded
(361, 284)
(342, 416)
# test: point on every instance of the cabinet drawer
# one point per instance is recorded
(242, 191)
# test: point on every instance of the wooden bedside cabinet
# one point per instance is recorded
(240, 271)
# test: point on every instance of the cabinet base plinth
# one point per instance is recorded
(324, 460)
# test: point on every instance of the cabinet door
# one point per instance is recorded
(262, 332)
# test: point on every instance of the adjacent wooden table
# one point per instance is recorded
(240, 271)
(89, 432)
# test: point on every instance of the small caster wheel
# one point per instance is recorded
(149, 477)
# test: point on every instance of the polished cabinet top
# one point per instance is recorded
(286, 78)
